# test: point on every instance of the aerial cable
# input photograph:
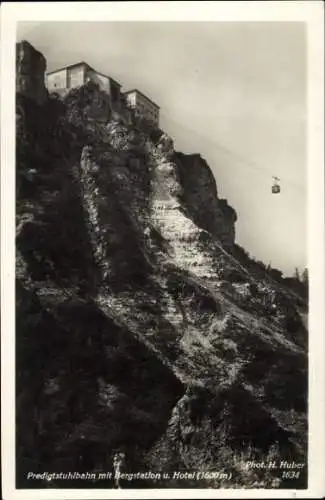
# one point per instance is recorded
(237, 156)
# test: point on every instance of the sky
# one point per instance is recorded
(235, 92)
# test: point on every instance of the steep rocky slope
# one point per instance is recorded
(137, 328)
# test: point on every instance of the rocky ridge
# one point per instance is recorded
(137, 328)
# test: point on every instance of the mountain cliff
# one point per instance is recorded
(30, 66)
(137, 327)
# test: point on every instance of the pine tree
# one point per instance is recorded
(304, 277)
(297, 275)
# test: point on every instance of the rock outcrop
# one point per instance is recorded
(200, 198)
(137, 328)
(30, 72)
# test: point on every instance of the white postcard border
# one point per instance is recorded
(310, 12)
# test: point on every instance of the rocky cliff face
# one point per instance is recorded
(137, 329)
(200, 198)
(30, 72)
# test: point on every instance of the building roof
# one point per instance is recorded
(143, 95)
(83, 63)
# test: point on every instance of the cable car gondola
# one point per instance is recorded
(276, 186)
